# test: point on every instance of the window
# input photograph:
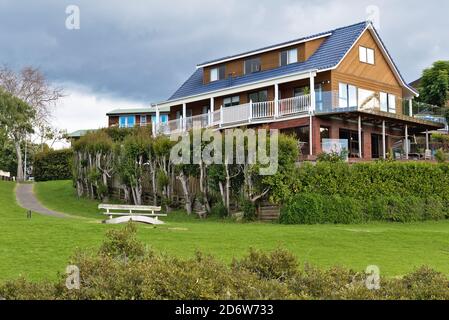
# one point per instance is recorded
(231, 101)
(289, 56)
(367, 99)
(387, 102)
(353, 141)
(347, 95)
(217, 73)
(127, 121)
(252, 65)
(143, 119)
(259, 96)
(163, 118)
(366, 55)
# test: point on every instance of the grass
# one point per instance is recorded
(40, 247)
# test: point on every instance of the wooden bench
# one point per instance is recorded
(125, 213)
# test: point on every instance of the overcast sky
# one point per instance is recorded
(131, 53)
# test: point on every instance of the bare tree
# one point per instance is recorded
(31, 86)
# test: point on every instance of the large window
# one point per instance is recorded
(143, 119)
(231, 101)
(127, 121)
(367, 99)
(252, 65)
(366, 55)
(288, 57)
(347, 95)
(353, 141)
(259, 96)
(217, 73)
(387, 102)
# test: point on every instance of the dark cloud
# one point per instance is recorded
(143, 50)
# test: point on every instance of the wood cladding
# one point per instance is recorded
(380, 72)
(269, 60)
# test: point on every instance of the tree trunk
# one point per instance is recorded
(20, 176)
(187, 196)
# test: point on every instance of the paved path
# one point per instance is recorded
(26, 199)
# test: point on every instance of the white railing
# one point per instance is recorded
(240, 114)
(265, 109)
(197, 122)
(235, 114)
(300, 104)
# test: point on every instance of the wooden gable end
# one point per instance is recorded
(380, 73)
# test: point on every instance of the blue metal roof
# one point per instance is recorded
(328, 55)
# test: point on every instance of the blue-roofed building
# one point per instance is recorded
(335, 89)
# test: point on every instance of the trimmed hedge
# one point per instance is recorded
(377, 191)
(53, 165)
(376, 179)
(315, 208)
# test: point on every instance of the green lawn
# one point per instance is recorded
(39, 247)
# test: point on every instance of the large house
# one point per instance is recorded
(340, 86)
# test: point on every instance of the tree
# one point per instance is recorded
(16, 119)
(434, 86)
(30, 85)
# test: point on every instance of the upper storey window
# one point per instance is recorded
(366, 55)
(252, 65)
(217, 73)
(289, 56)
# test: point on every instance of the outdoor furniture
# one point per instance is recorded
(125, 213)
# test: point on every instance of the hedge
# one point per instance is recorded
(376, 191)
(371, 180)
(53, 165)
(319, 209)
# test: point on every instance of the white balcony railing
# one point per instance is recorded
(240, 114)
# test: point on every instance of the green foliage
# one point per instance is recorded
(53, 165)
(219, 210)
(123, 244)
(333, 156)
(278, 265)
(249, 210)
(319, 209)
(441, 156)
(434, 86)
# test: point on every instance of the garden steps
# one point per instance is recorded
(268, 212)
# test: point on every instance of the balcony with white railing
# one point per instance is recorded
(244, 114)
(326, 102)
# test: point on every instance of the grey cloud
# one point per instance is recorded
(143, 50)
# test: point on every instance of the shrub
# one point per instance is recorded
(53, 165)
(219, 210)
(441, 156)
(308, 208)
(249, 210)
(278, 265)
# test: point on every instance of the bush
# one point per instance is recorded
(441, 156)
(249, 210)
(219, 210)
(53, 165)
(308, 208)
